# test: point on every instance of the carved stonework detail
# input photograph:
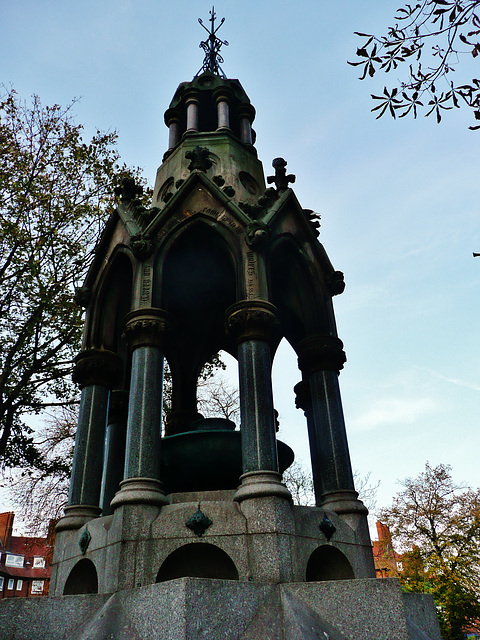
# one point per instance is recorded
(147, 328)
(336, 283)
(320, 353)
(199, 159)
(229, 191)
(129, 190)
(84, 541)
(219, 180)
(280, 179)
(256, 235)
(252, 320)
(143, 214)
(97, 366)
(82, 296)
(303, 396)
(199, 523)
(263, 204)
(327, 527)
(142, 246)
(313, 220)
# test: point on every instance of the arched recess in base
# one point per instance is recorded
(328, 563)
(82, 579)
(198, 560)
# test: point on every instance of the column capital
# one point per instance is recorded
(192, 95)
(97, 367)
(252, 320)
(246, 110)
(147, 327)
(171, 115)
(320, 353)
(222, 93)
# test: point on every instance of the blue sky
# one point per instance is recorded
(399, 199)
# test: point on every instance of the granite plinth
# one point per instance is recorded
(196, 608)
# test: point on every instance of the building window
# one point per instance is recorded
(14, 561)
(1, 583)
(19, 585)
(39, 563)
(37, 586)
(10, 585)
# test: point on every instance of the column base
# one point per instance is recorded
(258, 484)
(343, 502)
(76, 516)
(139, 491)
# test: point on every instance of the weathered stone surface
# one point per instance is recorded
(197, 608)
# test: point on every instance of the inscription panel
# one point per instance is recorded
(146, 285)
(251, 275)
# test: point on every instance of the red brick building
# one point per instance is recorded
(388, 563)
(25, 562)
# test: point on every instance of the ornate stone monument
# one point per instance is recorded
(191, 533)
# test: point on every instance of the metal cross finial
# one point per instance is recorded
(212, 47)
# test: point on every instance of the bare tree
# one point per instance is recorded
(40, 492)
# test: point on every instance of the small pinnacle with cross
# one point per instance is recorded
(212, 47)
(128, 190)
(280, 179)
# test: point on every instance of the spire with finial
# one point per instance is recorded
(212, 46)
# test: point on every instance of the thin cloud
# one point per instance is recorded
(456, 381)
(390, 411)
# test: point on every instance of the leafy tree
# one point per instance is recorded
(55, 194)
(428, 38)
(436, 523)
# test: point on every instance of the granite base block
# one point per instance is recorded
(199, 608)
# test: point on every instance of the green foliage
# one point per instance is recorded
(436, 523)
(428, 38)
(55, 195)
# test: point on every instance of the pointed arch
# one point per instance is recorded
(195, 280)
(113, 300)
(296, 293)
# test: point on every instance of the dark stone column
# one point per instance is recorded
(222, 97)
(172, 120)
(320, 358)
(303, 400)
(252, 324)
(114, 448)
(145, 332)
(246, 114)
(96, 370)
(192, 101)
